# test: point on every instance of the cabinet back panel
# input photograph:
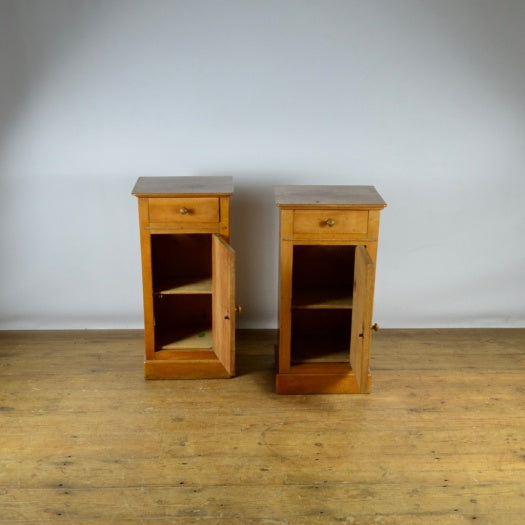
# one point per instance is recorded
(319, 335)
(179, 317)
(317, 266)
(180, 255)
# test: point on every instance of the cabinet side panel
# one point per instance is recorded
(373, 224)
(147, 279)
(223, 302)
(285, 292)
(224, 224)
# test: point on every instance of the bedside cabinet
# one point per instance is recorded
(188, 277)
(328, 247)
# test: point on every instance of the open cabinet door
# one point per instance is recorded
(362, 317)
(223, 302)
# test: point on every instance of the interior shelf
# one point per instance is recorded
(186, 340)
(320, 335)
(319, 349)
(322, 298)
(185, 285)
(321, 357)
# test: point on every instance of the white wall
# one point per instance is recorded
(423, 99)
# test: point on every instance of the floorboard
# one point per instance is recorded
(84, 439)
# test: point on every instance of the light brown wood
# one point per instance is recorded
(183, 210)
(285, 294)
(362, 319)
(187, 354)
(319, 298)
(183, 285)
(373, 224)
(323, 229)
(198, 367)
(185, 288)
(85, 440)
(224, 224)
(330, 222)
(147, 280)
(307, 378)
(223, 309)
(185, 339)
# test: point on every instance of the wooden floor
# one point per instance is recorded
(84, 439)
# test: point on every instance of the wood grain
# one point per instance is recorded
(322, 196)
(320, 227)
(178, 217)
(330, 222)
(183, 210)
(190, 185)
(223, 307)
(360, 341)
(86, 440)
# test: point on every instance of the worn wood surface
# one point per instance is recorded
(203, 185)
(319, 196)
(86, 440)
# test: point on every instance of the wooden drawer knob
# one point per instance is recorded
(330, 222)
(183, 211)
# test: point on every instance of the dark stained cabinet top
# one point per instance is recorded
(321, 196)
(159, 186)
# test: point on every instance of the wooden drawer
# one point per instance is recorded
(184, 210)
(328, 222)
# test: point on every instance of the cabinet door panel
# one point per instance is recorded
(362, 317)
(223, 302)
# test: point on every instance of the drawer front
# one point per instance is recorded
(184, 210)
(326, 223)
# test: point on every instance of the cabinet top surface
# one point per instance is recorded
(150, 186)
(320, 196)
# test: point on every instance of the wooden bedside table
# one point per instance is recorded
(328, 247)
(188, 276)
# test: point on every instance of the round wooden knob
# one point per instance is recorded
(330, 222)
(375, 327)
(183, 211)
(238, 308)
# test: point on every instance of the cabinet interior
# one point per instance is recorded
(181, 263)
(322, 287)
(182, 291)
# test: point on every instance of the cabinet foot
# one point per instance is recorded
(195, 369)
(325, 379)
